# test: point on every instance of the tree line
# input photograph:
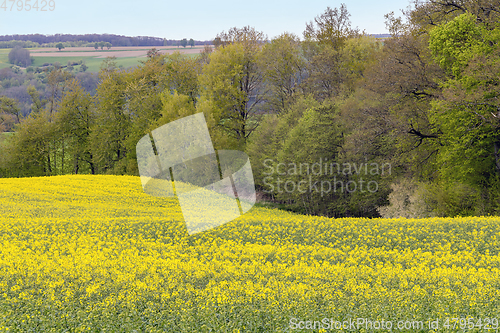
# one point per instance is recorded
(39, 40)
(337, 124)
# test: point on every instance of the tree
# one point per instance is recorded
(20, 57)
(154, 52)
(455, 43)
(184, 42)
(174, 106)
(59, 46)
(28, 151)
(333, 27)
(403, 81)
(73, 123)
(428, 14)
(326, 74)
(324, 41)
(96, 45)
(269, 137)
(37, 103)
(232, 84)
(205, 54)
(357, 55)
(283, 68)
(316, 138)
(112, 122)
(191, 42)
(108, 45)
(10, 106)
(56, 81)
(468, 114)
(246, 35)
(180, 74)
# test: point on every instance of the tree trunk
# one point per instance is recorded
(497, 155)
(62, 158)
(76, 165)
(49, 168)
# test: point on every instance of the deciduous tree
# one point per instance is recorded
(73, 122)
(284, 69)
(232, 83)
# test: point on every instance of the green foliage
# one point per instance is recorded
(18, 43)
(424, 105)
(317, 138)
(359, 54)
(334, 71)
(270, 136)
(283, 68)
(468, 113)
(73, 122)
(455, 43)
(332, 28)
(10, 106)
(112, 125)
(297, 159)
(180, 74)
(20, 57)
(174, 107)
(230, 84)
(28, 152)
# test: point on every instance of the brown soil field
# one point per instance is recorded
(119, 52)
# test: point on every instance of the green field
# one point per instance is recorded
(93, 63)
(4, 58)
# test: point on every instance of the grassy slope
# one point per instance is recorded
(4, 58)
(92, 62)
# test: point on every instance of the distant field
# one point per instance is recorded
(4, 58)
(123, 53)
(125, 56)
(93, 63)
(197, 48)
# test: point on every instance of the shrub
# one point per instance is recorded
(412, 199)
(407, 199)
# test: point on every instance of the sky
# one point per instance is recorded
(200, 20)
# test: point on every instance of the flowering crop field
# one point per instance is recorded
(94, 253)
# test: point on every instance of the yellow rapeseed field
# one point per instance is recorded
(96, 254)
